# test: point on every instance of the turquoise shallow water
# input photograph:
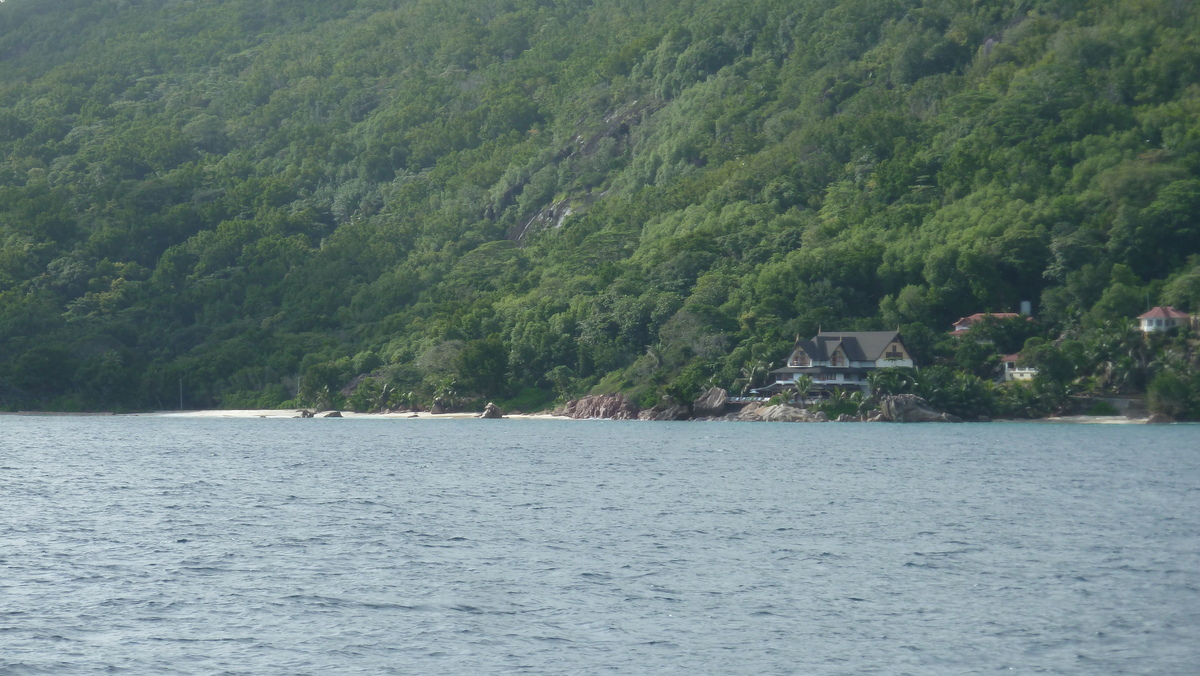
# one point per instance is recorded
(193, 546)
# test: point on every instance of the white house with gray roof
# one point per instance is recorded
(839, 359)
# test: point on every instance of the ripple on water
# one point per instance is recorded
(151, 545)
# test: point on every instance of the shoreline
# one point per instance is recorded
(295, 413)
(282, 414)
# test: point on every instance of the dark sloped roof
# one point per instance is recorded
(820, 369)
(858, 345)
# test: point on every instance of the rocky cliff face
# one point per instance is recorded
(911, 408)
(711, 403)
(610, 406)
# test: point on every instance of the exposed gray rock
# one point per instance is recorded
(1159, 419)
(846, 417)
(307, 414)
(610, 406)
(491, 411)
(711, 403)
(874, 415)
(665, 413)
(782, 413)
(438, 407)
(749, 411)
(911, 408)
(333, 414)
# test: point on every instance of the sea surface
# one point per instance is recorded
(152, 545)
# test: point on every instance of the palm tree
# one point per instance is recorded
(803, 384)
(380, 402)
(891, 380)
(856, 397)
(750, 374)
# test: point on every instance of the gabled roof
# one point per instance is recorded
(1167, 312)
(858, 345)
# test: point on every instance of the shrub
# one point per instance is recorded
(1102, 408)
(528, 400)
(1171, 395)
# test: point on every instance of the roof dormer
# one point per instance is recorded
(838, 358)
(799, 358)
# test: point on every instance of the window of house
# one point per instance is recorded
(893, 352)
(838, 359)
(801, 359)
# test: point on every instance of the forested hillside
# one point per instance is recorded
(524, 200)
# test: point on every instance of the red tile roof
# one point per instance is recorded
(980, 315)
(1167, 312)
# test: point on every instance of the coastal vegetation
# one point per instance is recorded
(373, 203)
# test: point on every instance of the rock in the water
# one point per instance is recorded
(438, 407)
(846, 417)
(307, 414)
(1159, 419)
(911, 408)
(665, 413)
(610, 406)
(333, 414)
(491, 411)
(711, 403)
(874, 415)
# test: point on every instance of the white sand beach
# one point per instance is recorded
(350, 415)
(1093, 420)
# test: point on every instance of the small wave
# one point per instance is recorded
(338, 602)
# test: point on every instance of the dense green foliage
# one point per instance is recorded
(533, 198)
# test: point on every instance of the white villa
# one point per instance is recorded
(1013, 370)
(839, 360)
(1163, 319)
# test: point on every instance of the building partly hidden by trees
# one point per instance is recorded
(379, 202)
(832, 360)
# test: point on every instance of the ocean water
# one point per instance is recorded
(147, 545)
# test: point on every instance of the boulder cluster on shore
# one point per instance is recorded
(714, 404)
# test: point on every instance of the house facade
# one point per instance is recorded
(1014, 370)
(1163, 319)
(841, 359)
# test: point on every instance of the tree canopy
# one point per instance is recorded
(525, 199)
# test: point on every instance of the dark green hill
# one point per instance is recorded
(541, 197)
